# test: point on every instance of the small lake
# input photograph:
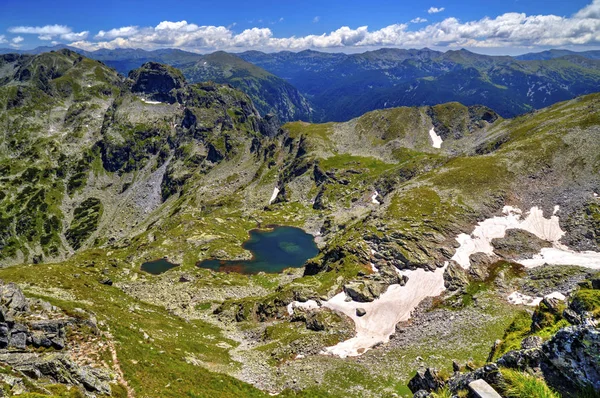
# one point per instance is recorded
(273, 251)
(157, 267)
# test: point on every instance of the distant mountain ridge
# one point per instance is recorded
(344, 86)
(317, 86)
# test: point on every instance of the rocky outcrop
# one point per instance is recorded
(455, 277)
(33, 342)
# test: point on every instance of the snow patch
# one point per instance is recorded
(436, 139)
(374, 198)
(307, 305)
(274, 195)
(480, 239)
(523, 299)
(150, 102)
(563, 256)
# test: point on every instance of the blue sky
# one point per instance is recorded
(512, 26)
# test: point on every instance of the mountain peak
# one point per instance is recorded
(157, 80)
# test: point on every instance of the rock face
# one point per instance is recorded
(455, 277)
(518, 244)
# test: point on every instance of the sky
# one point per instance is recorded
(490, 27)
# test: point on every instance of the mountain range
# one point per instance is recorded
(316, 86)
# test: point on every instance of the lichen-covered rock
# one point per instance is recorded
(575, 352)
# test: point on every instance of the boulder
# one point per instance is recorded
(455, 277)
(531, 342)
(13, 298)
(363, 291)
(427, 380)
(490, 373)
(572, 317)
(360, 312)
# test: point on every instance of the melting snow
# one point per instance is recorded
(563, 256)
(274, 195)
(382, 315)
(436, 139)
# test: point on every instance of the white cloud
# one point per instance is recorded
(281, 19)
(418, 20)
(125, 31)
(54, 42)
(17, 40)
(48, 32)
(435, 10)
(3, 39)
(316, 19)
(509, 30)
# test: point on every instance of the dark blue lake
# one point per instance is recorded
(273, 251)
(157, 267)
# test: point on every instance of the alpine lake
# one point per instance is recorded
(273, 250)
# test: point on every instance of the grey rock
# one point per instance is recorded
(531, 342)
(422, 394)
(13, 298)
(572, 317)
(363, 291)
(360, 312)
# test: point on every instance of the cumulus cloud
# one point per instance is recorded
(49, 32)
(435, 10)
(2, 39)
(17, 40)
(418, 20)
(506, 30)
(590, 11)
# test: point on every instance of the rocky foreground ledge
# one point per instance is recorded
(40, 346)
(568, 361)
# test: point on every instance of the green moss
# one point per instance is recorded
(587, 300)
